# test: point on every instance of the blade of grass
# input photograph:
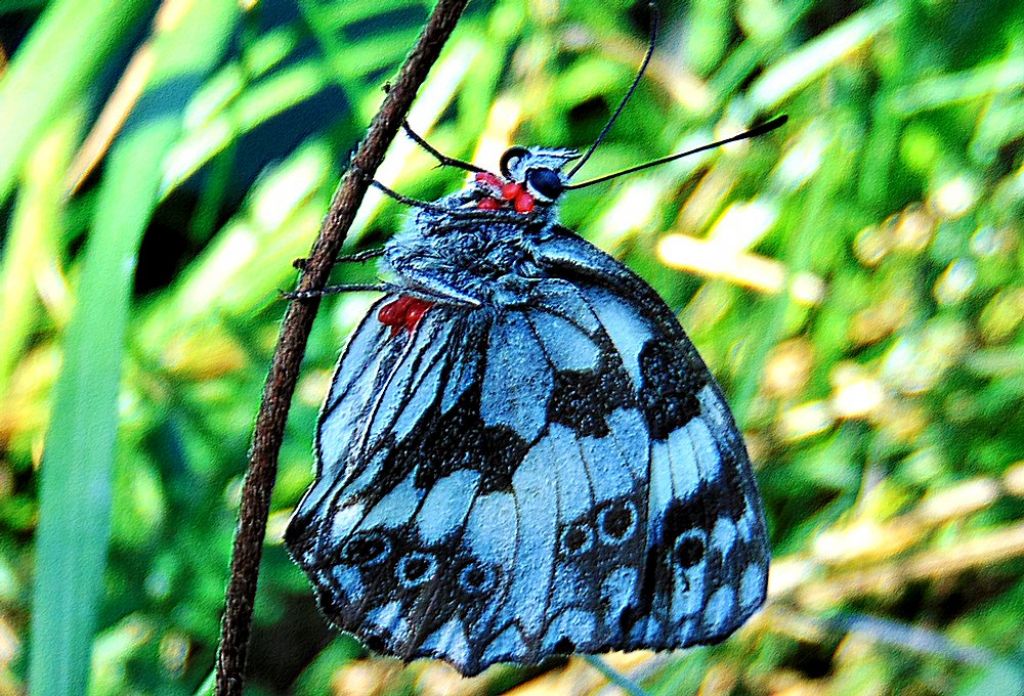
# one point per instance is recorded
(206, 687)
(7, 6)
(258, 104)
(939, 92)
(75, 481)
(32, 241)
(770, 325)
(613, 675)
(241, 268)
(66, 48)
(217, 94)
(802, 66)
(920, 639)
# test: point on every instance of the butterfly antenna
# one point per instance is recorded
(757, 130)
(629, 93)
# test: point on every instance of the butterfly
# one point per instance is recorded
(522, 454)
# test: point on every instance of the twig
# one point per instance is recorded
(291, 344)
(889, 578)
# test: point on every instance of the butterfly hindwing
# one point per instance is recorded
(554, 475)
(707, 545)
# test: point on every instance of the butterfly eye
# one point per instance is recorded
(545, 182)
(510, 158)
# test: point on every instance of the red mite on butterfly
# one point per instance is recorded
(510, 191)
(404, 313)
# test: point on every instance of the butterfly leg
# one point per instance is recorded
(338, 289)
(456, 213)
(357, 257)
(387, 288)
(442, 159)
(411, 202)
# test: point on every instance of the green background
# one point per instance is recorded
(854, 279)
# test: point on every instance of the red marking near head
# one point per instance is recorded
(489, 179)
(511, 191)
(524, 203)
(404, 313)
(391, 314)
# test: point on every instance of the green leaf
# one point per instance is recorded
(75, 488)
(61, 55)
(35, 228)
(812, 60)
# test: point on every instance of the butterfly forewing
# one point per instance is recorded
(552, 475)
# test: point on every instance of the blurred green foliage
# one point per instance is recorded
(854, 279)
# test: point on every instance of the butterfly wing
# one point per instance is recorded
(706, 557)
(404, 529)
(553, 476)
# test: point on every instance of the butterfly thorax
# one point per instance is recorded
(471, 255)
(479, 246)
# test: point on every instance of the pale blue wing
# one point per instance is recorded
(554, 475)
(497, 486)
(442, 519)
(706, 561)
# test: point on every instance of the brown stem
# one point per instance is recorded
(291, 344)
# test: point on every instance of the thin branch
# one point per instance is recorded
(284, 370)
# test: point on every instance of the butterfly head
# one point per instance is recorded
(538, 170)
(530, 177)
